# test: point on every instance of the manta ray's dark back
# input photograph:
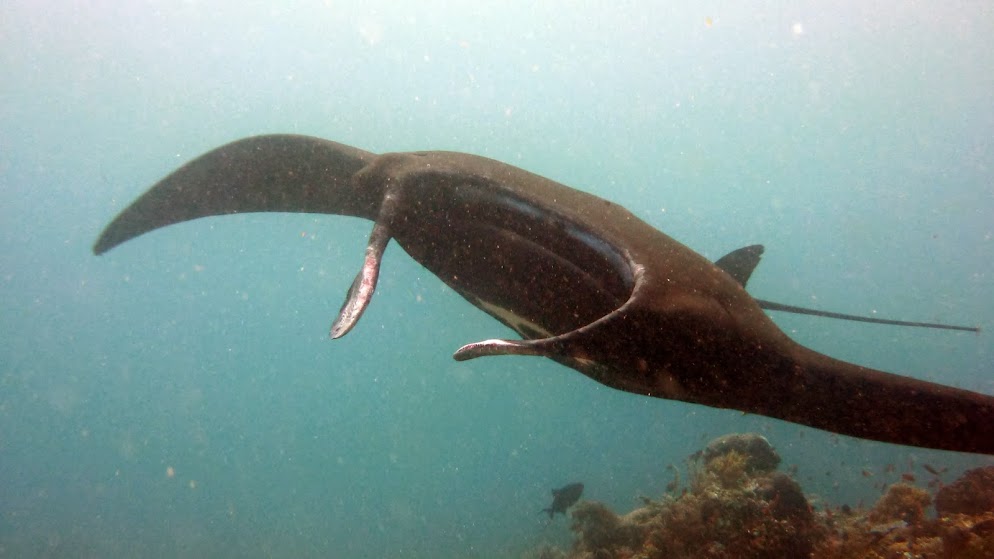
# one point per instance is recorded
(583, 281)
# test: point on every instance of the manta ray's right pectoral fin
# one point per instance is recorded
(364, 284)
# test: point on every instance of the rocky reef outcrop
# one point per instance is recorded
(738, 505)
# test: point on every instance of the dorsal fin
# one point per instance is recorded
(741, 262)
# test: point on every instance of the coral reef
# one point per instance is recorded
(898, 527)
(971, 494)
(901, 503)
(737, 505)
(600, 529)
(759, 454)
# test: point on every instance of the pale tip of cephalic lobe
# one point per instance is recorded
(495, 347)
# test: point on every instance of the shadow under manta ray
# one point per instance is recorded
(582, 280)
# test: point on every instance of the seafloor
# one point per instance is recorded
(738, 505)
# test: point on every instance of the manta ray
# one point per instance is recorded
(580, 279)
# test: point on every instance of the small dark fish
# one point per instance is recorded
(563, 498)
(931, 469)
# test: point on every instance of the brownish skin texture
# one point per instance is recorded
(582, 280)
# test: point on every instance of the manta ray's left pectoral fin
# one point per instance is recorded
(364, 284)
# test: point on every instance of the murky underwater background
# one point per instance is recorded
(178, 397)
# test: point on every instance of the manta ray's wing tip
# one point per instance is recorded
(103, 243)
(99, 248)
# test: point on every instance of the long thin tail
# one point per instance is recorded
(829, 394)
(771, 306)
(276, 173)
